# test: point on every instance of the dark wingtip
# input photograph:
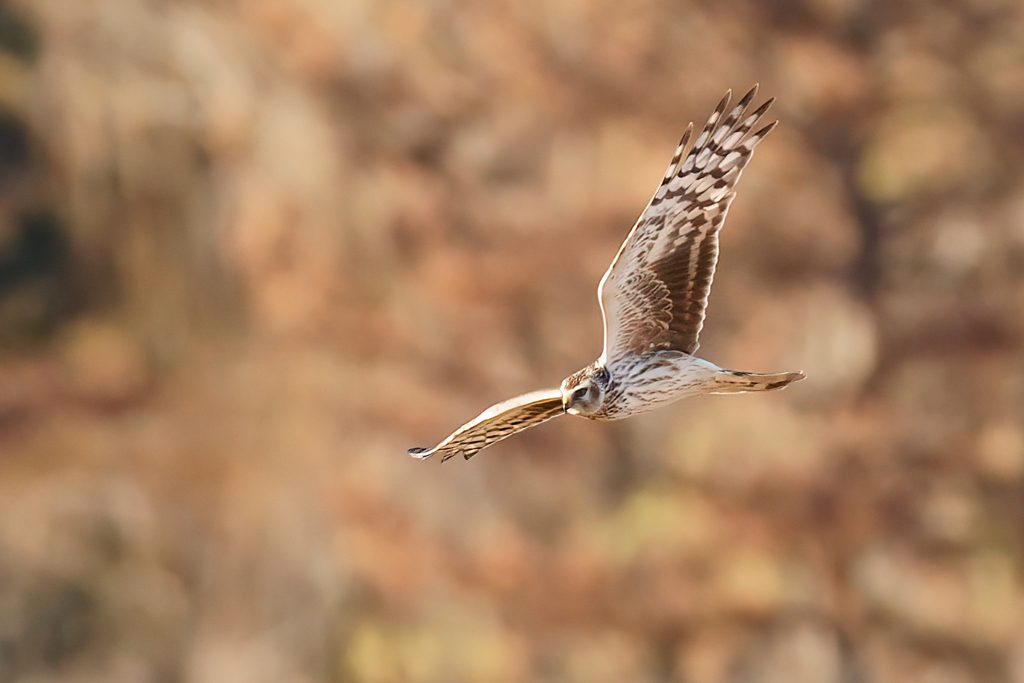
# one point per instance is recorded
(750, 95)
(724, 104)
(786, 381)
(764, 131)
(763, 109)
(420, 453)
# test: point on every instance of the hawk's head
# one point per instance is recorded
(583, 392)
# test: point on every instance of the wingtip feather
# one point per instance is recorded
(765, 130)
(723, 105)
(763, 109)
(749, 97)
(788, 378)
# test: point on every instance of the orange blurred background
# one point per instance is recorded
(253, 250)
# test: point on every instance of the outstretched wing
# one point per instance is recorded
(656, 290)
(496, 423)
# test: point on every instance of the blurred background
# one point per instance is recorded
(253, 250)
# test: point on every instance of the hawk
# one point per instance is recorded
(653, 298)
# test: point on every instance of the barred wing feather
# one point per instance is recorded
(496, 423)
(654, 294)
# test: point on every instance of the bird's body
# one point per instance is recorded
(641, 384)
(652, 380)
(653, 298)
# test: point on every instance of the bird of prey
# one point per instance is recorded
(652, 298)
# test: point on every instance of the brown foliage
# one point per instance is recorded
(251, 251)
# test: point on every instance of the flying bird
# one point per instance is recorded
(653, 298)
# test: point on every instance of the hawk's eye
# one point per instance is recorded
(580, 393)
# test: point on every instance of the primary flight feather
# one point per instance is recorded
(653, 298)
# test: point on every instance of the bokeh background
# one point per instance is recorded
(252, 250)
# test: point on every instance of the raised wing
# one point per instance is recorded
(496, 423)
(656, 290)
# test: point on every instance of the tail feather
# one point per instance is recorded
(732, 382)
